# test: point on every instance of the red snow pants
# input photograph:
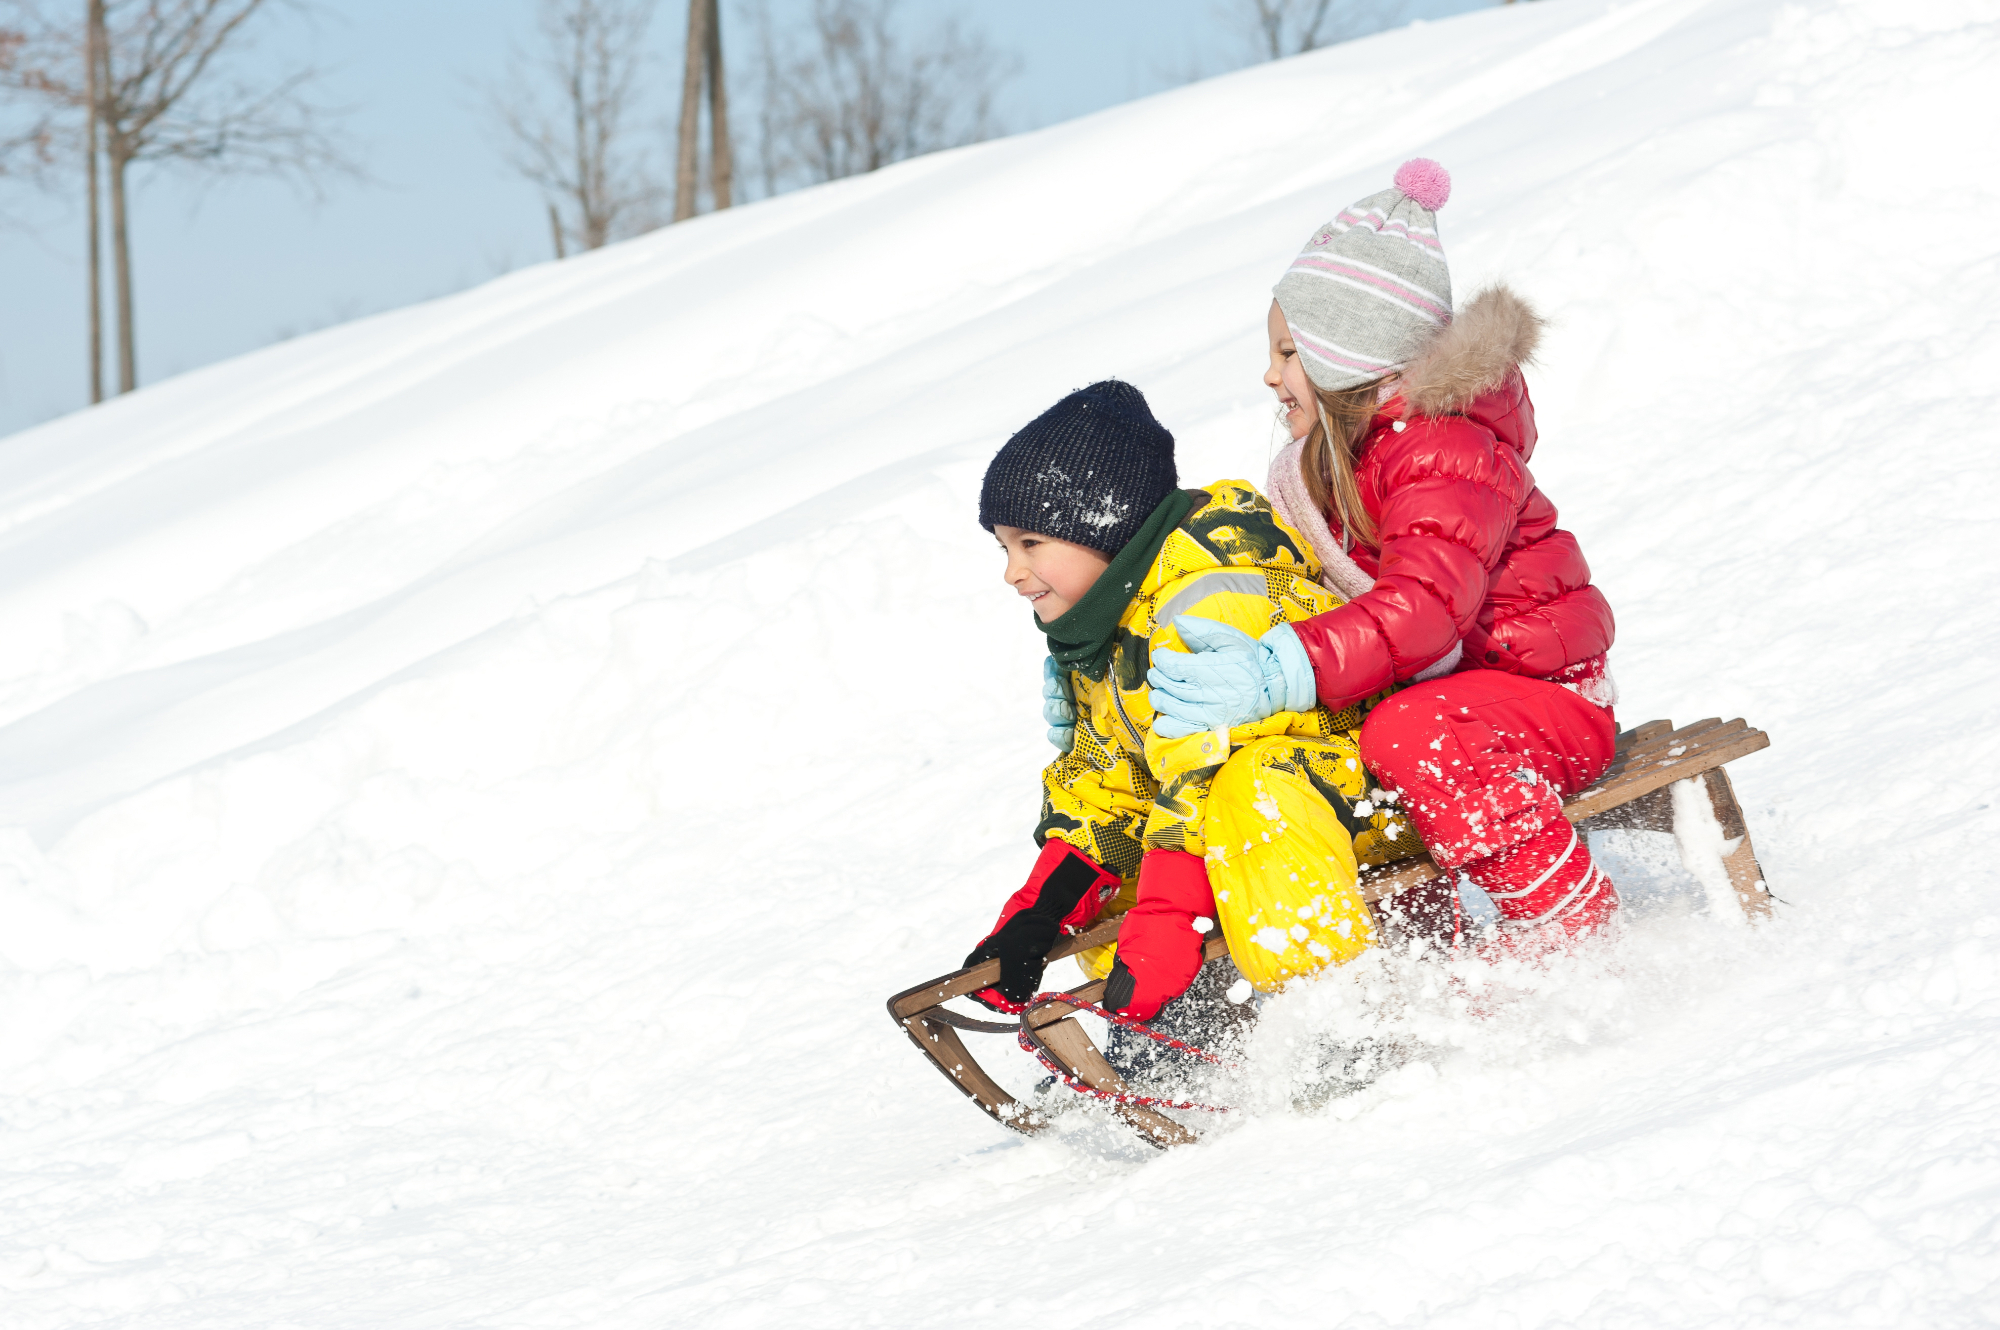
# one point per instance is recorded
(1480, 762)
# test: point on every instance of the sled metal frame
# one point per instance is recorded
(1634, 792)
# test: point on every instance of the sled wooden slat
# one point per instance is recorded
(1640, 734)
(1658, 734)
(959, 983)
(1645, 753)
(1655, 746)
(1380, 883)
(1664, 760)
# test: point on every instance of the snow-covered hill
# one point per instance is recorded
(473, 775)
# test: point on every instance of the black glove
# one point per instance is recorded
(1021, 945)
(1066, 889)
(1118, 986)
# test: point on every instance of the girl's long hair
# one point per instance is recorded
(1328, 463)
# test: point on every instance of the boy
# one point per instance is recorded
(1257, 828)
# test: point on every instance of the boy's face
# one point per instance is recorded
(1053, 574)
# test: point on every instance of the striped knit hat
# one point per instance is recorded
(1371, 287)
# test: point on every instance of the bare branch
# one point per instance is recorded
(164, 92)
(27, 127)
(165, 97)
(565, 115)
(1274, 29)
(854, 94)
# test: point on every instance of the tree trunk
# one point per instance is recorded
(721, 160)
(555, 229)
(93, 56)
(687, 178)
(121, 263)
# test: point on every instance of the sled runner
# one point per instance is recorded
(1636, 792)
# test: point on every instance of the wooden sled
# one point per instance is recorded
(1634, 792)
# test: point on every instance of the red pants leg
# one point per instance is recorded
(1480, 762)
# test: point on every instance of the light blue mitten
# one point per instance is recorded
(1058, 712)
(1228, 678)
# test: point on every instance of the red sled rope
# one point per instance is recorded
(1130, 1023)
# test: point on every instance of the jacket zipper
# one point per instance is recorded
(1118, 704)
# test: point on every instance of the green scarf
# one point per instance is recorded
(1081, 638)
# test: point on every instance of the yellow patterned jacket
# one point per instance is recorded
(1123, 790)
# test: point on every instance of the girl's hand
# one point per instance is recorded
(1058, 712)
(1229, 678)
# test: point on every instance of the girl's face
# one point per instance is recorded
(1287, 377)
(1053, 574)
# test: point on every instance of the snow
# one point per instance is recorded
(472, 776)
(1702, 846)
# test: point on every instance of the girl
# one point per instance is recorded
(1409, 476)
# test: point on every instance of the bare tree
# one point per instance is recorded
(32, 141)
(163, 90)
(566, 113)
(1278, 28)
(704, 66)
(853, 94)
(26, 131)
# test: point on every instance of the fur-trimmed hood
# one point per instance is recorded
(1491, 334)
(1447, 470)
(1494, 334)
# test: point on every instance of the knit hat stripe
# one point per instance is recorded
(1376, 282)
(1338, 358)
(1374, 219)
(1371, 288)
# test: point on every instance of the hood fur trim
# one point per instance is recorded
(1493, 333)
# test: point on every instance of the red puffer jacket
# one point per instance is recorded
(1469, 548)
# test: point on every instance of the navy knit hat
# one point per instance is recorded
(1090, 470)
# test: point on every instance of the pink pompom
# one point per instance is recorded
(1427, 183)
